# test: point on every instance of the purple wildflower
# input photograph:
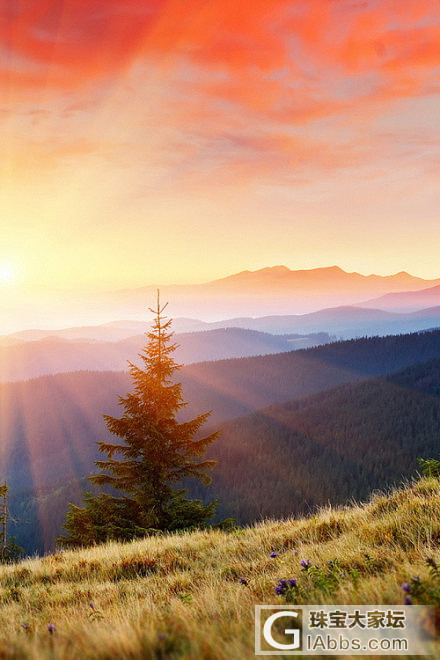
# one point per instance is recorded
(51, 628)
(283, 586)
(243, 581)
(306, 563)
(406, 587)
(407, 601)
(92, 606)
(273, 554)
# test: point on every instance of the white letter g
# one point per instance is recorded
(267, 632)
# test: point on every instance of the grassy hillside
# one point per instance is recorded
(192, 596)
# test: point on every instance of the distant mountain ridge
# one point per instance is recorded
(105, 332)
(406, 301)
(53, 354)
(279, 287)
(324, 277)
(266, 291)
(344, 322)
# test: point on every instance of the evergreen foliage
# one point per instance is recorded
(9, 551)
(155, 452)
(430, 467)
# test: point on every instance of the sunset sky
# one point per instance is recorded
(161, 141)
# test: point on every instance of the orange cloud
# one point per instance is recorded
(213, 88)
(89, 38)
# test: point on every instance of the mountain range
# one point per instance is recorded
(53, 354)
(275, 290)
(33, 353)
(406, 301)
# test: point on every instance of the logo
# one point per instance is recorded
(277, 629)
(344, 630)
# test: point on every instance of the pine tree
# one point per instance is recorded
(4, 519)
(9, 551)
(154, 454)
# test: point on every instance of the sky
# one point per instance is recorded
(177, 141)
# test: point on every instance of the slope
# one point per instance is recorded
(330, 447)
(193, 595)
(407, 301)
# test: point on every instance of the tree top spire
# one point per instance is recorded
(158, 311)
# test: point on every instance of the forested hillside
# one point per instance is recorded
(330, 447)
(231, 388)
(49, 435)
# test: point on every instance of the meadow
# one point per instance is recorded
(192, 595)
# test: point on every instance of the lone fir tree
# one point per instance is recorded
(155, 452)
(4, 520)
(9, 550)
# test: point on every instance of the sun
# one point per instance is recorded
(7, 273)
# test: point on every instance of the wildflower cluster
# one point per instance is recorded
(284, 585)
(323, 580)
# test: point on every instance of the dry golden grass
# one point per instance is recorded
(180, 596)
